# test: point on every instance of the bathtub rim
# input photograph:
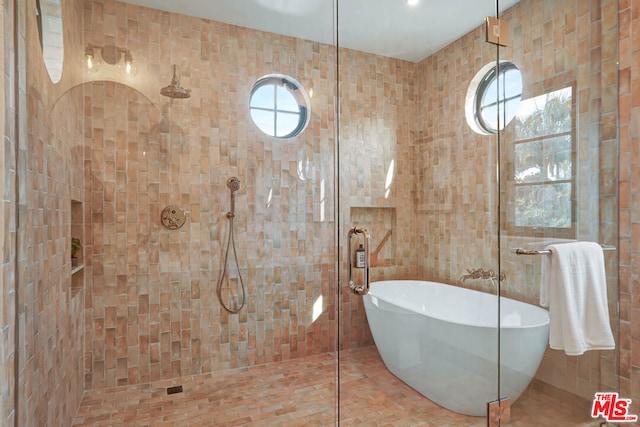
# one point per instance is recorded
(531, 307)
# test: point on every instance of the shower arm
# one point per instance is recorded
(364, 288)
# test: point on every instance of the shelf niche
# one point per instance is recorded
(381, 224)
(77, 227)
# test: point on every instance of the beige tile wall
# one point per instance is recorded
(378, 101)
(151, 306)
(7, 220)
(379, 140)
(49, 148)
(629, 204)
(628, 16)
(574, 44)
(555, 43)
(455, 189)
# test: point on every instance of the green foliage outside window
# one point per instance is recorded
(543, 161)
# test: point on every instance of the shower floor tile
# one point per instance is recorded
(300, 392)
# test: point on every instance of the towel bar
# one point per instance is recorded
(522, 251)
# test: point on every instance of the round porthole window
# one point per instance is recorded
(279, 106)
(493, 97)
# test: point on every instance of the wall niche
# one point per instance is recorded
(381, 223)
(77, 257)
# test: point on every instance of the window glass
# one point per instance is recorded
(547, 159)
(543, 163)
(286, 123)
(262, 97)
(285, 100)
(279, 106)
(547, 114)
(264, 120)
(498, 97)
(544, 206)
(50, 29)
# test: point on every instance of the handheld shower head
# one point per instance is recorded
(233, 184)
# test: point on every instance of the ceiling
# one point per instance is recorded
(390, 28)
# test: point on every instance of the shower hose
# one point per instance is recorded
(231, 243)
(234, 185)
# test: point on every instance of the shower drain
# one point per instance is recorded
(175, 389)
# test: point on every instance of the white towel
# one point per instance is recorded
(574, 288)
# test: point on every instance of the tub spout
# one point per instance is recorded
(481, 273)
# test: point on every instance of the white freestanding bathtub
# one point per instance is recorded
(442, 340)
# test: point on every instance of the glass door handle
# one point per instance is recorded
(362, 289)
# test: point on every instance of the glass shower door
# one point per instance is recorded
(416, 177)
(558, 185)
(238, 281)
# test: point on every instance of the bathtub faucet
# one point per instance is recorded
(481, 273)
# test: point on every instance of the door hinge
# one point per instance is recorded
(499, 412)
(498, 31)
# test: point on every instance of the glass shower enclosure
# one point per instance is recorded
(465, 148)
(388, 173)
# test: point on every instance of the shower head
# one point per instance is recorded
(174, 90)
(234, 184)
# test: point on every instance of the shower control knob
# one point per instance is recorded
(173, 217)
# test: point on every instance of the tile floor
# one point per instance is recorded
(299, 392)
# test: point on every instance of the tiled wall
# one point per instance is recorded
(555, 44)
(7, 220)
(573, 44)
(151, 311)
(151, 306)
(42, 150)
(629, 205)
(377, 117)
(455, 188)
(151, 293)
(136, 25)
